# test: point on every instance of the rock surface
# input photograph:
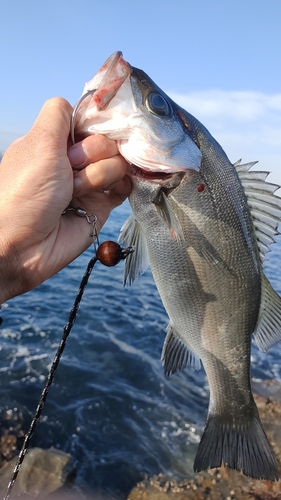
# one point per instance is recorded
(42, 472)
(223, 483)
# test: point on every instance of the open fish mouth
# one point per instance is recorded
(109, 79)
(149, 175)
(98, 93)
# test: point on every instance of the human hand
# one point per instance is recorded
(37, 184)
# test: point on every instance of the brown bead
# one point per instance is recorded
(109, 253)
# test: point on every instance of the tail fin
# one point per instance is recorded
(240, 444)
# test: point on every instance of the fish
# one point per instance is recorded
(205, 226)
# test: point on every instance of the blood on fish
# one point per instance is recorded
(201, 188)
(99, 96)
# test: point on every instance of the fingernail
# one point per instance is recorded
(77, 155)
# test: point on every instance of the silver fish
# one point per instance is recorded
(204, 225)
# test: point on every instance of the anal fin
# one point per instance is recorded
(176, 355)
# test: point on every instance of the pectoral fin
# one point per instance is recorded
(167, 214)
(138, 261)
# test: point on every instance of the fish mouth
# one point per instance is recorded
(150, 175)
(98, 93)
(108, 79)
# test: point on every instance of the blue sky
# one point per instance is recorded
(220, 60)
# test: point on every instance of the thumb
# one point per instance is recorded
(52, 125)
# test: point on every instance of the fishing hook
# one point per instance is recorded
(75, 109)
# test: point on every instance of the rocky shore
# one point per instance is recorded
(223, 483)
(45, 473)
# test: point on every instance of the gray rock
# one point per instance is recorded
(42, 472)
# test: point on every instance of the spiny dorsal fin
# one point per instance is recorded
(138, 261)
(264, 205)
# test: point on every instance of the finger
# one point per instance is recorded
(121, 189)
(100, 175)
(92, 149)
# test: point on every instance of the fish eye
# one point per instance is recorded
(157, 104)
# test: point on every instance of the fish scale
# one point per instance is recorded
(204, 226)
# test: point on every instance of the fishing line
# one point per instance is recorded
(108, 253)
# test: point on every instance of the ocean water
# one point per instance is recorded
(110, 405)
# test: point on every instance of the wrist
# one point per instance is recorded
(10, 280)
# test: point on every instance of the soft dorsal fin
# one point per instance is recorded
(138, 261)
(264, 205)
(268, 329)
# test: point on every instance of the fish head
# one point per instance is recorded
(123, 103)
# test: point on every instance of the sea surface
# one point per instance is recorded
(110, 405)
